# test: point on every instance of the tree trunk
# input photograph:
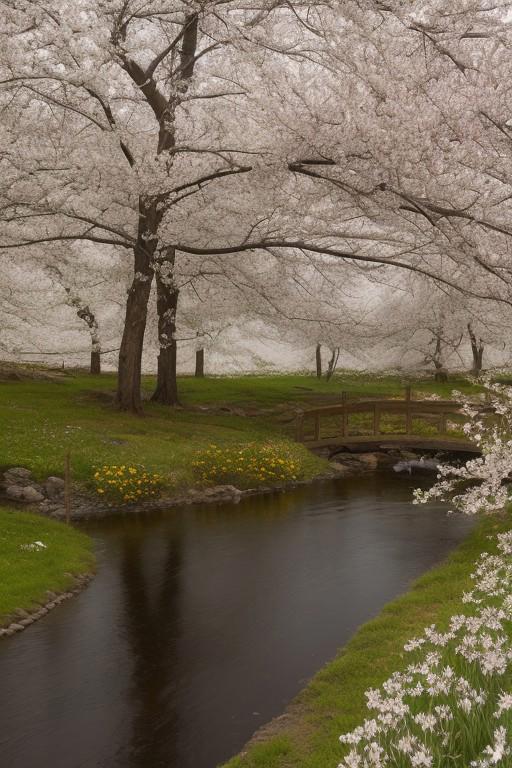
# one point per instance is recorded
(333, 362)
(95, 361)
(477, 349)
(199, 373)
(84, 312)
(151, 211)
(166, 391)
(130, 354)
(319, 361)
(441, 373)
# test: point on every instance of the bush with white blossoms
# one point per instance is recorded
(480, 484)
(451, 706)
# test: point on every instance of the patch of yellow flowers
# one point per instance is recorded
(126, 483)
(247, 466)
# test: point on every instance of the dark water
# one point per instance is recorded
(202, 624)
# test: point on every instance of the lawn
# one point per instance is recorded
(26, 573)
(334, 703)
(40, 420)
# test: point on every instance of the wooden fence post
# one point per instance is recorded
(67, 487)
(376, 420)
(408, 413)
(344, 415)
(299, 435)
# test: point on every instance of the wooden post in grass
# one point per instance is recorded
(67, 487)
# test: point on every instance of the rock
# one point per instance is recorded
(342, 469)
(17, 476)
(213, 495)
(16, 627)
(346, 458)
(26, 494)
(408, 455)
(14, 491)
(54, 487)
(368, 459)
(27, 621)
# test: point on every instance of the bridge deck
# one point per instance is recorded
(363, 443)
(329, 426)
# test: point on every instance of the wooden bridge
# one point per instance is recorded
(329, 426)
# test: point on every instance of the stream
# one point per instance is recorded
(203, 623)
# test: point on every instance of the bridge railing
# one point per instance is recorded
(436, 411)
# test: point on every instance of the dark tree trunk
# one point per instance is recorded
(441, 373)
(477, 349)
(130, 354)
(199, 373)
(166, 391)
(95, 361)
(319, 361)
(333, 362)
(151, 212)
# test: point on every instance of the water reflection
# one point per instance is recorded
(203, 623)
(150, 576)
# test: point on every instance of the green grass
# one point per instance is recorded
(25, 575)
(40, 420)
(333, 702)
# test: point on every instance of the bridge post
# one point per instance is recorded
(376, 420)
(344, 415)
(408, 413)
(299, 427)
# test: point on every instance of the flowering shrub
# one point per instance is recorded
(479, 485)
(126, 483)
(452, 705)
(249, 465)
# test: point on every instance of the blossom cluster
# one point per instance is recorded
(480, 485)
(252, 464)
(452, 705)
(126, 483)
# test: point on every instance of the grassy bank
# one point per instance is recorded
(27, 572)
(40, 420)
(334, 703)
